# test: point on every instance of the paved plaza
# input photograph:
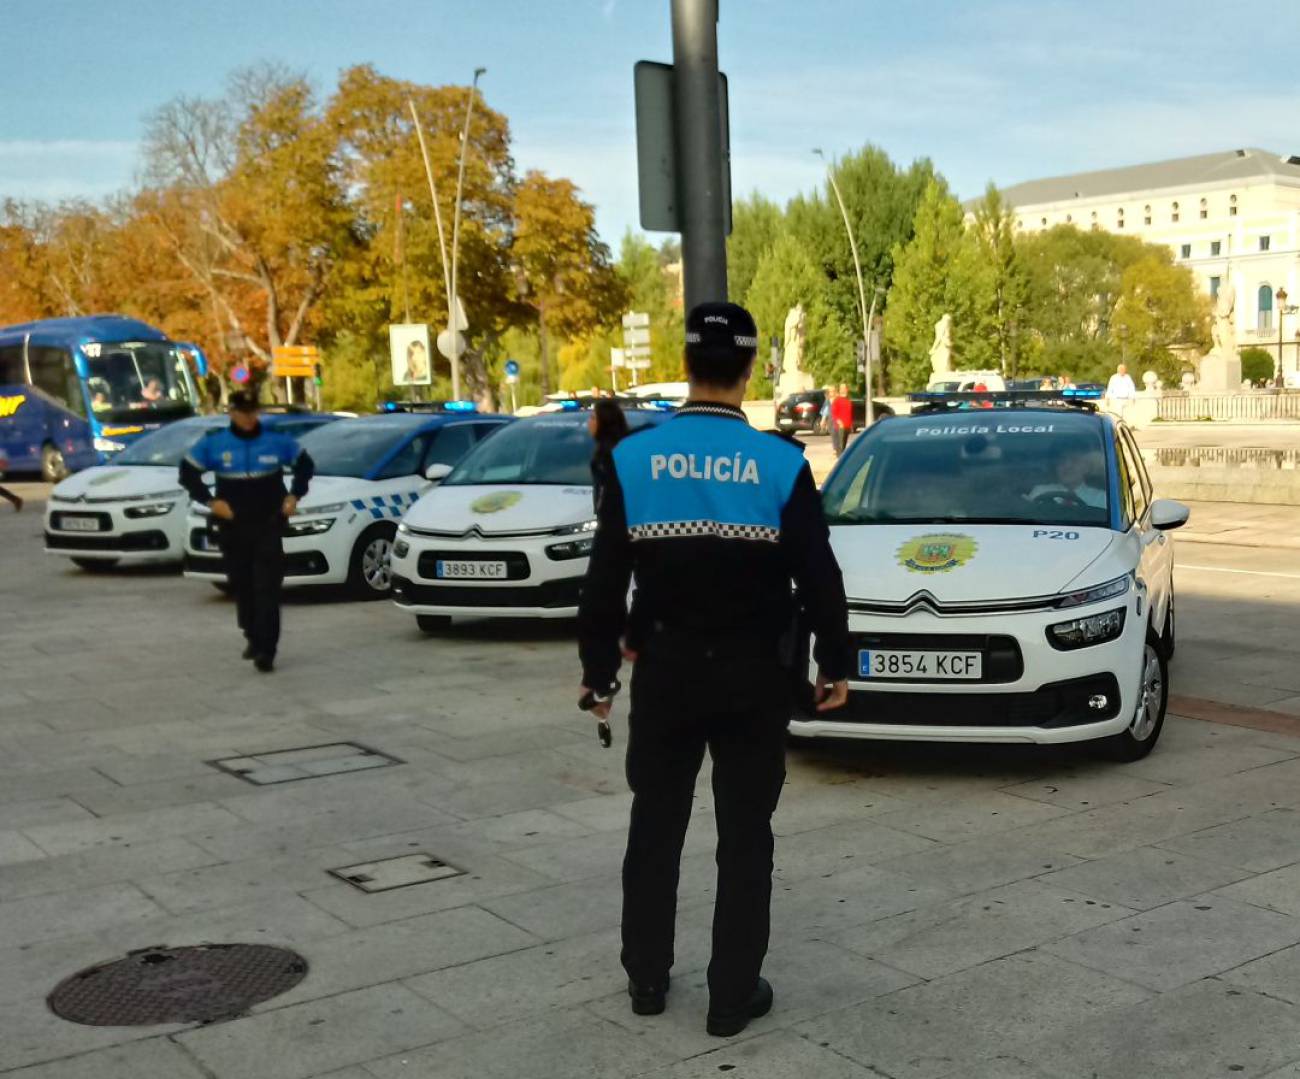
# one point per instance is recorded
(971, 912)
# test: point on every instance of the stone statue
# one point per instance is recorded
(1224, 329)
(793, 378)
(1151, 381)
(1220, 371)
(941, 349)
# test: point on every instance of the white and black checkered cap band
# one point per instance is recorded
(742, 341)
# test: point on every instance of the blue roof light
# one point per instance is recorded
(460, 406)
(391, 406)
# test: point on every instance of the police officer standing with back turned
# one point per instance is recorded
(250, 510)
(716, 520)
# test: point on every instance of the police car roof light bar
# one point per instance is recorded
(943, 401)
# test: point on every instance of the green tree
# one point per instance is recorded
(1257, 365)
(645, 275)
(1161, 314)
(756, 224)
(1007, 284)
(787, 276)
(939, 271)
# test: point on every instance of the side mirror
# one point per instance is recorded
(1166, 514)
(436, 473)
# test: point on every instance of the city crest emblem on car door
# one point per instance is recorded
(936, 553)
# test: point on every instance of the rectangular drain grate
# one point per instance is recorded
(400, 872)
(304, 762)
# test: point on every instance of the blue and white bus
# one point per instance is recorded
(74, 391)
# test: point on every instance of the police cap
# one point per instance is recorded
(244, 401)
(721, 329)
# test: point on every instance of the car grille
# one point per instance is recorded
(516, 562)
(1002, 659)
(1053, 706)
(131, 541)
(550, 594)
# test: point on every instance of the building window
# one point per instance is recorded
(1265, 320)
(1185, 251)
(1044, 226)
(1214, 287)
(1232, 205)
(1119, 218)
(1205, 212)
(1094, 218)
(1146, 215)
(1264, 242)
(1069, 219)
(1216, 247)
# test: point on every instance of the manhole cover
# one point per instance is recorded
(177, 985)
(305, 762)
(400, 872)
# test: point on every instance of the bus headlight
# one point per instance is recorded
(152, 509)
(309, 528)
(107, 445)
(1089, 630)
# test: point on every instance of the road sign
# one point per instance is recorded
(635, 319)
(617, 357)
(637, 351)
(512, 372)
(239, 374)
(656, 147)
(294, 361)
(452, 349)
(637, 336)
(639, 365)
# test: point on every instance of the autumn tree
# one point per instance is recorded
(1006, 285)
(563, 270)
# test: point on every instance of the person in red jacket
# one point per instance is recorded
(841, 419)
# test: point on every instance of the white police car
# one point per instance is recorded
(369, 471)
(1010, 578)
(509, 531)
(133, 510)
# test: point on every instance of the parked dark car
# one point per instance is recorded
(803, 412)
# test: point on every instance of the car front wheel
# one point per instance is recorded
(1148, 719)
(370, 575)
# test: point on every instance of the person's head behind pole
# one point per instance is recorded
(721, 343)
(607, 423)
(244, 408)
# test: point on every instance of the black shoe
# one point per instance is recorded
(648, 999)
(249, 652)
(264, 663)
(727, 1025)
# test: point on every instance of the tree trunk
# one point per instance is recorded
(544, 352)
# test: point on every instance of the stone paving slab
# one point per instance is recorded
(156, 1058)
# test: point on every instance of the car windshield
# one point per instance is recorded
(137, 382)
(544, 450)
(165, 447)
(1008, 468)
(353, 447)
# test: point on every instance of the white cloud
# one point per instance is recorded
(56, 169)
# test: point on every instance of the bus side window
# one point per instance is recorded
(53, 372)
(11, 366)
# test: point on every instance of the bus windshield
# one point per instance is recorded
(138, 382)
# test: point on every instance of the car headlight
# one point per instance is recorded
(403, 528)
(108, 445)
(401, 549)
(152, 509)
(1089, 630)
(333, 507)
(313, 527)
(1118, 587)
(578, 548)
(575, 530)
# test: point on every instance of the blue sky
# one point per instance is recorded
(1005, 91)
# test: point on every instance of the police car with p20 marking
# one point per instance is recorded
(509, 531)
(1009, 573)
(369, 472)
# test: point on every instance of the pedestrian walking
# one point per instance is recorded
(841, 419)
(1121, 392)
(607, 425)
(714, 519)
(249, 511)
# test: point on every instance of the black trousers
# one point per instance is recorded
(254, 561)
(736, 709)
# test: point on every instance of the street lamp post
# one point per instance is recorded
(1282, 311)
(453, 314)
(862, 294)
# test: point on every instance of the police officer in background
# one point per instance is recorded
(250, 510)
(716, 520)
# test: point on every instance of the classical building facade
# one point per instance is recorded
(1231, 218)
